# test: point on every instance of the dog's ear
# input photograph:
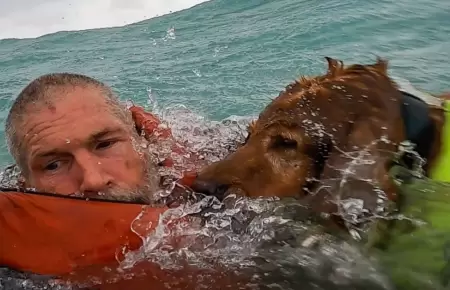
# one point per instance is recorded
(334, 66)
(356, 168)
(381, 65)
(319, 152)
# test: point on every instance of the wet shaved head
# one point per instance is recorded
(43, 92)
(70, 134)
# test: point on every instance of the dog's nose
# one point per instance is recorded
(210, 188)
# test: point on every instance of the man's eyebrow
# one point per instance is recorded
(44, 154)
(92, 138)
(105, 132)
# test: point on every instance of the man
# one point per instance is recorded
(69, 134)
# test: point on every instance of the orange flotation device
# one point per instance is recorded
(57, 235)
(75, 240)
(54, 235)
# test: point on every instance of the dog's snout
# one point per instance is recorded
(210, 188)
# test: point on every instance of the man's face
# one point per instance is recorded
(75, 144)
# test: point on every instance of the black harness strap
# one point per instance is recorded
(419, 127)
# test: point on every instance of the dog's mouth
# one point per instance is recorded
(222, 191)
(211, 188)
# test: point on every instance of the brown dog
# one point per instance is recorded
(328, 138)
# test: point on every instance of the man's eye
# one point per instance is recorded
(55, 165)
(105, 144)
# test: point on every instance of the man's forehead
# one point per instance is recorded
(50, 145)
(75, 124)
(63, 136)
(79, 114)
(69, 96)
(70, 114)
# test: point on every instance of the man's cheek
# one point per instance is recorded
(56, 185)
(129, 170)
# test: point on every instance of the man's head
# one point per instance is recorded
(69, 134)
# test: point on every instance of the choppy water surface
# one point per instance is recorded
(229, 58)
(276, 244)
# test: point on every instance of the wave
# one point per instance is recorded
(30, 19)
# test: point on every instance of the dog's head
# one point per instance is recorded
(288, 146)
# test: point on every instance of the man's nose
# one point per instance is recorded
(94, 177)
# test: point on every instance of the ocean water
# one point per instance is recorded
(221, 57)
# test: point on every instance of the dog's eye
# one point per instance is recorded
(280, 142)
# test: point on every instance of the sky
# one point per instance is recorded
(34, 18)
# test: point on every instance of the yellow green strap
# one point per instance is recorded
(441, 170)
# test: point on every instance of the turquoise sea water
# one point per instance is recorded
(229, 57)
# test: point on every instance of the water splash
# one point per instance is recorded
(273, 242)
(253, 235)
(10, 177)
(209, 140)
(170, 34)
(10, 280)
